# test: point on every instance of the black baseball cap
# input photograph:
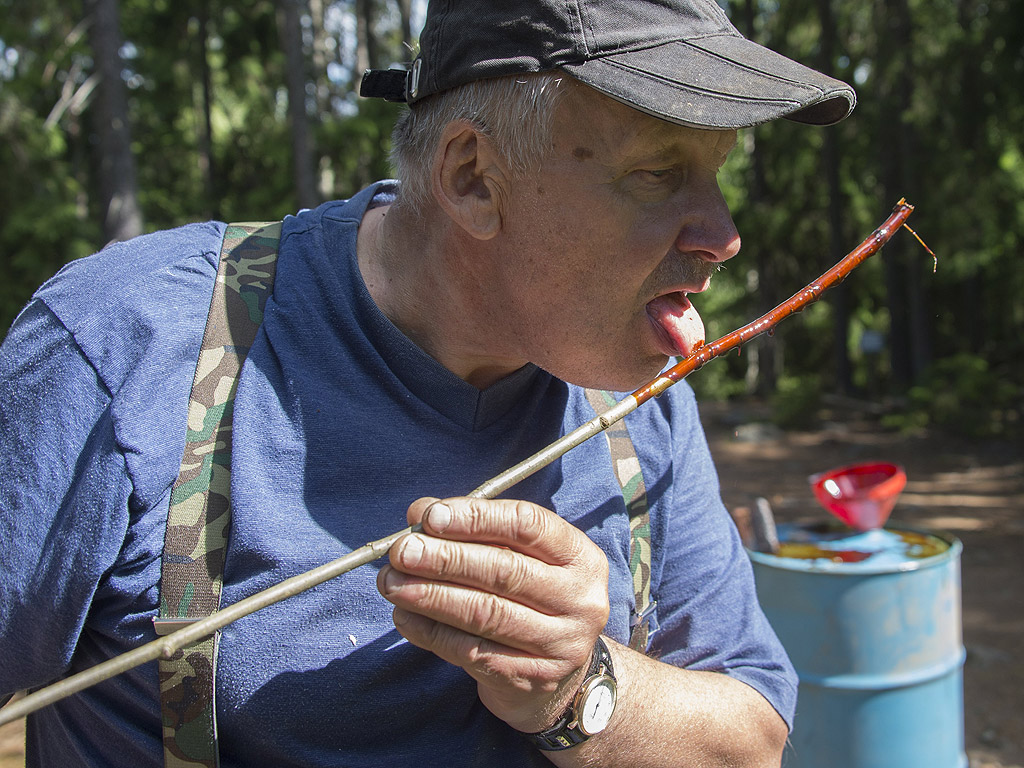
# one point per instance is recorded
(680, 60)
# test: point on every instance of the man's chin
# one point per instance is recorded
(626, 379)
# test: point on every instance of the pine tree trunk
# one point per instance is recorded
(207, 163)
(405, 15)
(891, 156)
(117, 182)
(763, 355)
(320, 56)
(839, 296)
(295, 63)
(366, 43)
(910, 344)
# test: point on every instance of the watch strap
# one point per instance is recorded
(566, 732)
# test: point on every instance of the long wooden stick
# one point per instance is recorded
(166, 646)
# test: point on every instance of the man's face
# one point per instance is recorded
(626, 209)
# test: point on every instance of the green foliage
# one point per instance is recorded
(241, 170)
(964, 395)
(796, 401)
(938, 121)
(357, 147)
(45, 218)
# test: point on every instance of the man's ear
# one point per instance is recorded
(469, 180)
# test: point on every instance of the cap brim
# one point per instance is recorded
(721, 81)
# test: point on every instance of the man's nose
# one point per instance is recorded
(708, 230)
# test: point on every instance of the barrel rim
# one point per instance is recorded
(832, 568)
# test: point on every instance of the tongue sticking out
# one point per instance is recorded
(680, 328)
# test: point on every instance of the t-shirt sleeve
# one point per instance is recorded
(708, 611)
(63, 496)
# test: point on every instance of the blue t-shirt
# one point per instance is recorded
(340, 422)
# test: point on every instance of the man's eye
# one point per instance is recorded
(656, 183)
(664, 179)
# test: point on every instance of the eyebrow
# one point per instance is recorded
(670, 146)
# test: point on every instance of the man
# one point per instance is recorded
(558, 205)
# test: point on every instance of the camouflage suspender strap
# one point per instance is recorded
(634, 493)
(199, 517)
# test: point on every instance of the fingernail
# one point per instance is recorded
(392, 582)
(412, 550)
(439, 517)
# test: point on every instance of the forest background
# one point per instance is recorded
(121, 118)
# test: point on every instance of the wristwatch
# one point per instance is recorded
(590, 710)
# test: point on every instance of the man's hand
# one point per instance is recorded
(508, 591)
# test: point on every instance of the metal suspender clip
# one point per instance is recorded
(167, 626)
(648, 614)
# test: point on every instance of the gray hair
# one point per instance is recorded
(516, 112)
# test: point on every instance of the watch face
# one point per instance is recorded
(597, 705)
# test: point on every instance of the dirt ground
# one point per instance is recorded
(974, 490)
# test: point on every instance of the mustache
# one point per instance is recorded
(690, 268)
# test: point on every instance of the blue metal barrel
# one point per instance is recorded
(879, 650)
